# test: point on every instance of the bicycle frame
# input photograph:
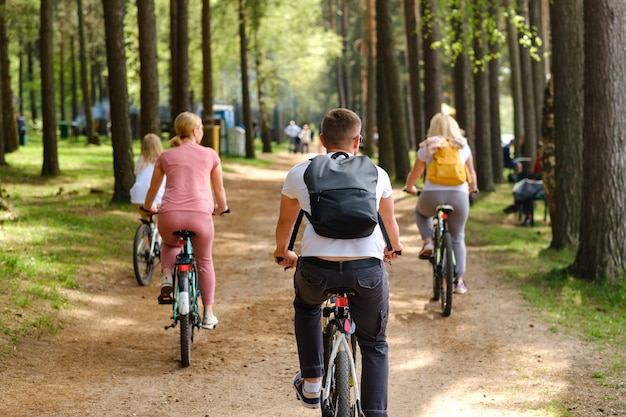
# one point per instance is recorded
(185, 289)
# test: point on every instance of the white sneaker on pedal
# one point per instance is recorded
(167, 284)
(209, 321)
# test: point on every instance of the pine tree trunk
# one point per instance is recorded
(150, 121)
(48, 108)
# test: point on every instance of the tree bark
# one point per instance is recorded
(92, 138)
(528, 142)
(516, 78)
(602, 250)
(150, 118)
(411, 29)
(123, 161)
(209, 139)
(9, 123)
(494, 97)
(432, 61)
(463, 85)
(48, 109)
(568, 57)
(245, 83)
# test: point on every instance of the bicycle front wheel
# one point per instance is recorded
(143, 261)
(447, 275)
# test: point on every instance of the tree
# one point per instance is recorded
(516, 75)
(568, 57)
(413, 45)
(432, 61)
(179, 41)
(245, 88)
(390, 98)
(494, 91)
(9, 125)
(462, 75)
(92, 138)
(207, 78)
(123, 165)
(528, 143)
(48, 109)
(150, 121)
(602, 251)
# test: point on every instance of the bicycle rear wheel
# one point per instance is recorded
(342, 385)
(143, 260)
(436, 270)
(185, 318)
(447, 275)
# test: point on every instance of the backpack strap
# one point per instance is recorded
(296, 226)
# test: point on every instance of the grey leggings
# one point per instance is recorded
(426, 209)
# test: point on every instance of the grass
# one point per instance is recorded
(65, 230)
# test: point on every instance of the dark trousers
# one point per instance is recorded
(370, 310)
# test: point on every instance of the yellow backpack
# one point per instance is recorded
(446, 166)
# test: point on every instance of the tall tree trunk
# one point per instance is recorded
(516, 77)
(482, 153)
(34, 114)
(539, 73)
(180, 63)
(568, 68)
(92, 138)
(602, 250)
(210, 138)
(369, 81)
(62, 93)
(9, 123)
(391, 93)
(462, 78)
(494, 97)
(337, 64)
(529, 139)
(432, 61)
(74, 78)
(150, 121)
(48, 109)
(245, 88)
(123, 165)
(411, 29)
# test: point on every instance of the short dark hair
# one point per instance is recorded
(340, 126)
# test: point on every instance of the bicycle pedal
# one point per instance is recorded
(166, 299)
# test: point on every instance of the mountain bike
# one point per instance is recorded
(146, 249)
(185, 296)
(340, 395)
(442, 260)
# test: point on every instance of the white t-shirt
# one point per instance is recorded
(316, 245)
(142, 184)
(464, 152)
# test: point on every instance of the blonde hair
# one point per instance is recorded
(151, 148)
(184, 124)
(444, 125)
(340, 127)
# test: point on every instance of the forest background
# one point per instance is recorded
(396, 63)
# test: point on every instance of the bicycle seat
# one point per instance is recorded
(184, 233)
(340, 291)
(447, 208)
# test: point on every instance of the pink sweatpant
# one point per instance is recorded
(202, 225)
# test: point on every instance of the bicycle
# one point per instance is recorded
(184, 300)
(340, 396)
(442, 260)
(185, 297)
(146, 249)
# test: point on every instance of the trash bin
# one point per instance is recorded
(65, 129)
(236, 142)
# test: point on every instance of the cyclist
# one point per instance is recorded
(443, 126)
(328, 263)
(151, 148)
(194, 191)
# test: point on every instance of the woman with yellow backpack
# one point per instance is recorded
(447, 159)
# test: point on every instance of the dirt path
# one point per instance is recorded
(492, 357)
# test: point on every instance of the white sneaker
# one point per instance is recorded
(209, 321)
(167, 284)
(426, 251)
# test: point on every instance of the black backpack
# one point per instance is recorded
(343, 197)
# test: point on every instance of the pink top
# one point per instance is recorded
(188, 169)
